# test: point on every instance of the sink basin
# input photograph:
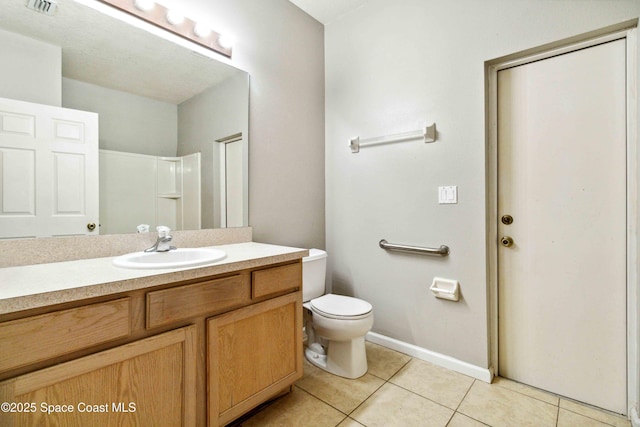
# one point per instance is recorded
(178, 258)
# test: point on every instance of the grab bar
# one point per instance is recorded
(443, 250)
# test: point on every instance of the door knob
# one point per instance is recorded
(91, 226)
(506, 241)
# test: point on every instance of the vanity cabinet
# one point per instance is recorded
(116, 387)
(37, 338)
(253, 354)
(193, 353)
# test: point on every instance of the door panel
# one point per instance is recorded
(234, 182)
(48, 170)
(562, 177)
(191, 192)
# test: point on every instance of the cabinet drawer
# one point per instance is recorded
(185, 302)
(38, 338)
(276, 280)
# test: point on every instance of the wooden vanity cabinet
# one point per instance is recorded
(196, 352)
(37, 338)
(253, 354)
(149, 382)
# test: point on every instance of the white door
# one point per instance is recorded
(191, 210)
(234, 182)
(562, 180)
(48, 170)
(231, 182)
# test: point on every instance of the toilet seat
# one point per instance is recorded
(340, 307)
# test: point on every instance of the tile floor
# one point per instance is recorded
(399, 390)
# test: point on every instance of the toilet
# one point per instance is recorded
(335, 324)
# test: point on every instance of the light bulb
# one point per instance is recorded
(201, 30)
(226, 41)
(144, 5)
(174, 17)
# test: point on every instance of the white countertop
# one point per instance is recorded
(33, 286)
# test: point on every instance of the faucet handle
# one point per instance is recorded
(163, 231)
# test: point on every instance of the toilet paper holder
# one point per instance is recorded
(445, 288)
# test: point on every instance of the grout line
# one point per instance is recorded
(423, 397)
(367, 398)
(450, 419)
(470, 417)
(529, 396)
(346, 416)
(592, 408)
(385, 381)
(388, 380)
(321, 400)
(558, 404)
(465, 395)
(591, 418)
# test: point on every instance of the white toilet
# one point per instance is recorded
(335, 324)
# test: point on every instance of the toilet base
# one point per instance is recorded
(346, 359)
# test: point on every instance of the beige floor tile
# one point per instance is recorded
(571, 419)
(498, 407)
(350, 422)
(433, 382)
(596, 414)
(536, 393)
(460, 420)
(296, 409)
(341, 393)
(394, 406)
(384, 362)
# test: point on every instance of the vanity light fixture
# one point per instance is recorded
(174, 17)
(144, 5)
(201, 30)
(225, 41)
(174, 22)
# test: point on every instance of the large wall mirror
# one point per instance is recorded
(173, 123)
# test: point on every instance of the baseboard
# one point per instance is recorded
(482, 374)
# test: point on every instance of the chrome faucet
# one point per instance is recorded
(164, 238)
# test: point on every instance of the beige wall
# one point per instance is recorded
(216, 113)
(396, 66)
(282, 48)
(129, 123)
(37, 65)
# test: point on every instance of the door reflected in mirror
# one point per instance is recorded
(153, 98)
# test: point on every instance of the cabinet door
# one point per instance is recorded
(254, 353)
(150, 382)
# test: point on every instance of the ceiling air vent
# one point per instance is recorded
(48, 7)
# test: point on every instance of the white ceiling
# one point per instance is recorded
(102, 50)
(326, 11)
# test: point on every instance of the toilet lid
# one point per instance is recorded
(340, 306)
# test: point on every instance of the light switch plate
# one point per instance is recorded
(448, 194)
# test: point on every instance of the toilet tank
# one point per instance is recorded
(314, 268)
